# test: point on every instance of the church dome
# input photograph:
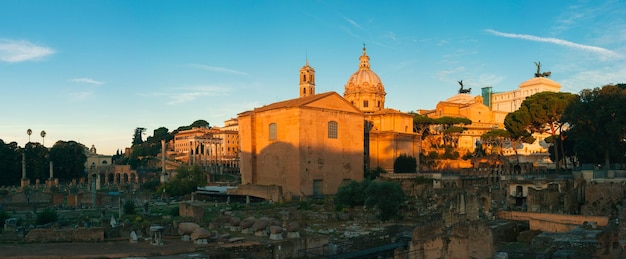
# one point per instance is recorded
(364, 89)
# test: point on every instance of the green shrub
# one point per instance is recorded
(187, 180)
(351, 194)
(304, 205)
(385, 197)
(372, 174)
(151, 185)
(174, 212)
(405, 164)
(3, 216)
(46, 216)
(129, 207)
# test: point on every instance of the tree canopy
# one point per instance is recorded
(517, 123)
(597, 124)
(495, 139)
(138, 135)
(37, 161)
(545, 110)
(195, 124)
(159, 134)
(421, 123)
(186, 181)
(200, 124)
(10, 163)
(68, 158)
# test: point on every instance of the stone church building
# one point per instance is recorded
(311, 145)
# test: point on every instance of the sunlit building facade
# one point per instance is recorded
(313, 144)
(488, 110)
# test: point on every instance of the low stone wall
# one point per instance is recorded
(267, 192)
(65, 235)
(552, 222)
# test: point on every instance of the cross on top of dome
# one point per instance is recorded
(365, 60)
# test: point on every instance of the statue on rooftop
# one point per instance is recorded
(464, 91)
(539, 74)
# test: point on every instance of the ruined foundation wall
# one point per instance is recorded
(602, 198)
(552, 222)
(463, 240)
(65, 235)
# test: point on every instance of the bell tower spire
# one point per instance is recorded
(307, 80)
(365, 60)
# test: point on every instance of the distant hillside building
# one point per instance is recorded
(465, 105)
(488, 110)
(228, 151)
(208, 146)
(95, 160)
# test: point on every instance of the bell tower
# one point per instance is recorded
(307, 80)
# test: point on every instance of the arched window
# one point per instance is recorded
(304, 90)
(273, 130)
(332, 129)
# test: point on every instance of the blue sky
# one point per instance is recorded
(93, 71)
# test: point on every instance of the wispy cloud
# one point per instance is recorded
(80, 96)
(217, 69)
(444, 74)
(86, 80)
(602, 51)
(20, 50)
(187, 94)
(391, 35)
(592, 78)
(349, 32)
(350, 21)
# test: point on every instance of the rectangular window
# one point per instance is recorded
(332, 129)
(365, 104)
(273, 129)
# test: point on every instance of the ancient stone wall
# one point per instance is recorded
(552, 222)
(549, 200)
(65, 235)
(85, 199)
(463, 240)
(602, 198)
(29, 197)
(58, 199)
(191, 211)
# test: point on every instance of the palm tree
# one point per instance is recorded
(43, 135)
